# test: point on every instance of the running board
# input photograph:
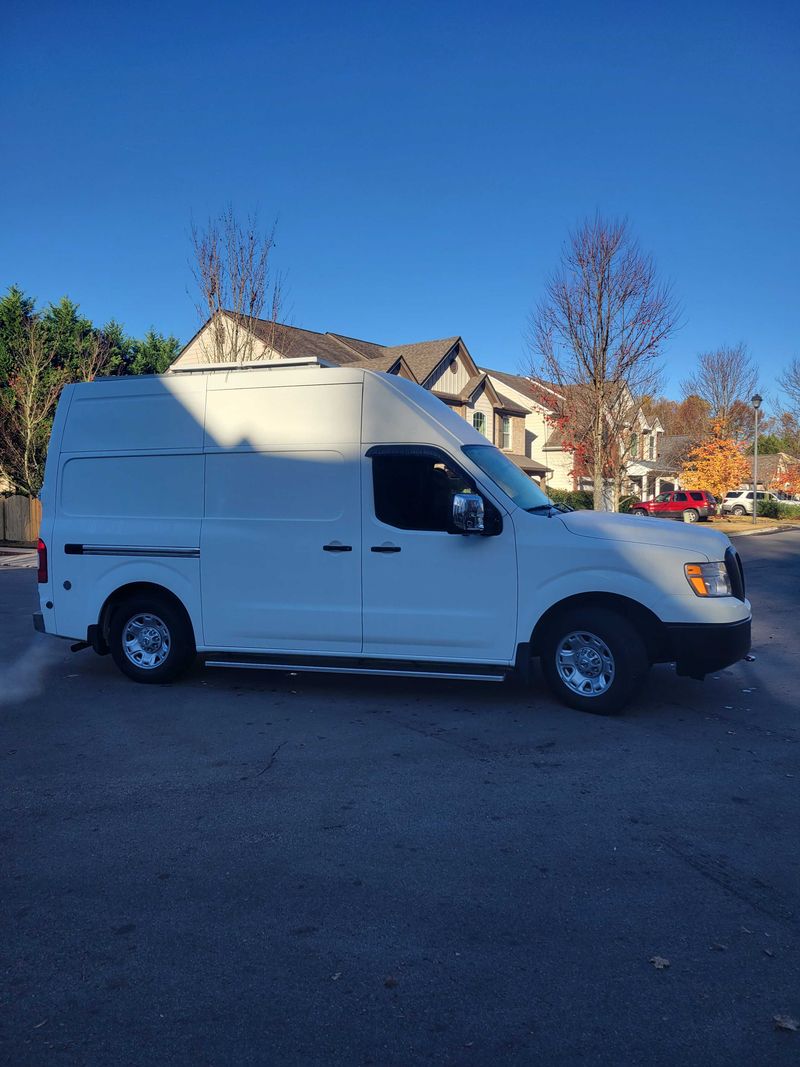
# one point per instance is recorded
(394, 672)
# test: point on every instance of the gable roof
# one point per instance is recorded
(292, 341)
(363, 349)
(420, 358)
(418, 361)
(424, 357)
(526, 386)
(771, 465)
(509, 406)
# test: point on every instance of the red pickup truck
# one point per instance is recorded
(695, 505)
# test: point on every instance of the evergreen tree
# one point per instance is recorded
(154, 354)
(16, 312)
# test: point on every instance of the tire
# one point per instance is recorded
(151, 639)
(691, 515)
(611, 645)
(640, 512)
(738, 510)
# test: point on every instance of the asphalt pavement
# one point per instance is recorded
(248, 868)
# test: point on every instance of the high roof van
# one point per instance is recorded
(303, 517)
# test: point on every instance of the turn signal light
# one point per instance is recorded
(41, 549)
(708, 579)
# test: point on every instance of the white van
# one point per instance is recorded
(295, 516)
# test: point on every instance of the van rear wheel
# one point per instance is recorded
(593, 659)
(151, 639)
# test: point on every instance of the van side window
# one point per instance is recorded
(416, 492)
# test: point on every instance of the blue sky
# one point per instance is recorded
(425, 161)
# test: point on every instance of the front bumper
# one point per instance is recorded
(699, 649)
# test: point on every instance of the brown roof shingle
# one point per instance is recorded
(423, 357)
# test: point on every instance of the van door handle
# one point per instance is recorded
(385, 548)
(337, 546)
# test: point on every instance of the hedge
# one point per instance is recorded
(778, 509)
(576, 498)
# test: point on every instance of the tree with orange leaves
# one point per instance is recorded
(717, 465)
(790, 479)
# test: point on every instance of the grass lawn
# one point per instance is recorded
(745, 522)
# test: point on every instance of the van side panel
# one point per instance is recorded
(281, 537)
(128, 496)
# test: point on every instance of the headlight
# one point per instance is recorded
(708, 579)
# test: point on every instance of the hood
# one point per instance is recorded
(697, 540)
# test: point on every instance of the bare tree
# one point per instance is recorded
(93, 359)
(26, 409)
(598, 335)
(726, 379)
(789, 381)
(236, 283)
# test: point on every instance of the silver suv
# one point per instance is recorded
(740, 502)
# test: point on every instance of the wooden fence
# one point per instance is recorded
(20, 517)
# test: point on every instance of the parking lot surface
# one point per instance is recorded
(257, 868)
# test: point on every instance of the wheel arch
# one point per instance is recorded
(99, 639)
(647, 622)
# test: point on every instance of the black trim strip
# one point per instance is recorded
(131, 550)
(428, 451)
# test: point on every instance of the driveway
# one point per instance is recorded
(275, 869)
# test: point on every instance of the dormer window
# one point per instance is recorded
(479, 422)
(651, 446)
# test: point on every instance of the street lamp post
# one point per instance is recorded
(756, 402)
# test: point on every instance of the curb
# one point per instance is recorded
(762, 530)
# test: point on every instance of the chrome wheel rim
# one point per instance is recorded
(692, 515)
(146, 641)
(585, 663)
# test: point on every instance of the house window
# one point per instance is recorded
(506, 433)
(634, 445)
(651, 446)
(479, 422)
(415, 492)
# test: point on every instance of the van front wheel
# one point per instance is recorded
(593, 660)
(151, 639)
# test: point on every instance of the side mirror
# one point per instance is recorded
(468, 513)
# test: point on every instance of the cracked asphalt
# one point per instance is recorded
(275, 869)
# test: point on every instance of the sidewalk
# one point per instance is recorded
(17, 556)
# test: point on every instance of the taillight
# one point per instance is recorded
(41, 548)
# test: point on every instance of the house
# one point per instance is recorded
(654, 457)
(772, 469)
(445, 367)
(542, 442)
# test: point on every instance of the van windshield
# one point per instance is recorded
(507, 475)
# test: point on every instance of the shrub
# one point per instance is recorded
(576, 498)
(778, 509)
(769, 509)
